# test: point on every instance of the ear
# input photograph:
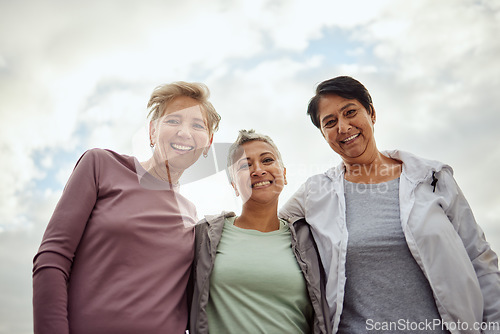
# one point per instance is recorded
(152, 132)
(284, 175)
(235, 190)
(373, 115)
(205, 150)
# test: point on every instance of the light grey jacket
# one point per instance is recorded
(440, 231)
(208, 235)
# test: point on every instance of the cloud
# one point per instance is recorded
(15, 283)
(75, 76)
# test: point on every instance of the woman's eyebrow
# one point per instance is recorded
(327, 117)
(172, 115)
(243, 159)
(350, 104)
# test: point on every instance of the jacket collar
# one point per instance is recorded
(211, 219)
(214, 219)
(416, 169)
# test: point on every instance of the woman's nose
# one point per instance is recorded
(184, 131)
(257, 170)
(343, 125)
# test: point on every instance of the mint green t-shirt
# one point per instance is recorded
(256, 285)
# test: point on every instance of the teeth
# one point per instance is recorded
(263, 183)
(350, 138)
(181, 147)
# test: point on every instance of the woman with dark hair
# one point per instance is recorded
(397, 238)
(117, 252)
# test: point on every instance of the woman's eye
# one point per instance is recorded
(199, 126)
(171, 121)
(330, 123)
(268, 160)
(350, 112)
(244, 166)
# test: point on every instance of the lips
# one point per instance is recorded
(261, 184)
(180, 147)
(349, 139)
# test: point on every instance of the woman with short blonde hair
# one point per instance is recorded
(116, 255)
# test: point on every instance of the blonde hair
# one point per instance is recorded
(162, 95)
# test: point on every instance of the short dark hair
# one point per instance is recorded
(343, 86)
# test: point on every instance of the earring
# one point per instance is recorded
(151, 145)
(205, 154)
(235, 190)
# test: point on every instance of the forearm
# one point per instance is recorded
(50, 302)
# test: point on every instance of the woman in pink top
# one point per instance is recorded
(116, 255)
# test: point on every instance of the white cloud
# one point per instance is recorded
(75, 76)
(453, 39)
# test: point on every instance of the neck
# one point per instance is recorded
(161, 171)
(374, 169)
(259, 217)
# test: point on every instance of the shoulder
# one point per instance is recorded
(417, 168)
(321, 184)
(218, 218)
(317, 180)
(332, 175)
(107, 154)
(201, 226)
(213, 221)
(413, 159)
(108, 158)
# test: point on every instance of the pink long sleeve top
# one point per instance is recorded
(116, 255)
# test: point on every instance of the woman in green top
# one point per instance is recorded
(256, 273)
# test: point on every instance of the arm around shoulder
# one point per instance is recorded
(295, 206)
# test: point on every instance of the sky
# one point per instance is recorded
(78, 75)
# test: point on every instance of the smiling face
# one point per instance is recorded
(181, 134)
(257, 174)
(347, 127)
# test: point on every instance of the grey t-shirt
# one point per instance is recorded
(386, 291)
